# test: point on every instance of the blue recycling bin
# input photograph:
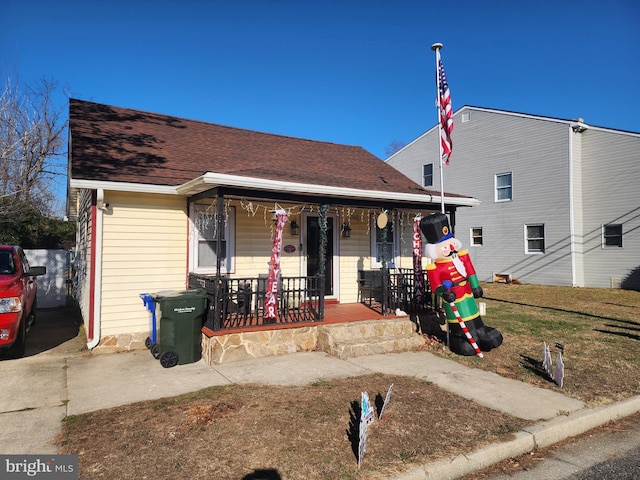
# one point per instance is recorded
(152, 340)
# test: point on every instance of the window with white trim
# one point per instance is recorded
(427, 175)
(612, 235)
(386, 239)
(504, 187)
(534, 238)
(206, 238)
(476, 236)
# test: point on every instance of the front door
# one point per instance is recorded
(311, 251)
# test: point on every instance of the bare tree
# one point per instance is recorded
(32, 147)
(393, 147)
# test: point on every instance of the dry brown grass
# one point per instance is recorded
(599, 328)
(267, 432)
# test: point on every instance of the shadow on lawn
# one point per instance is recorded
(534, 366)
(632, 336)
(563, 310)
(267, 474)
(353, 432)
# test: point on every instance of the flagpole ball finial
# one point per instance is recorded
(436, 46)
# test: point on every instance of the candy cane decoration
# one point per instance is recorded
(466, 330)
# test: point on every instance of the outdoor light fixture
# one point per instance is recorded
(295, 228)
(346, 230)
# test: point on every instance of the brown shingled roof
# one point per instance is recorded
(122, 145)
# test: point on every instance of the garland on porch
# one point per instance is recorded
(346, 215)
(322, 254)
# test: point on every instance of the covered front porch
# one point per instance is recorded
(240, 303)
(387, 319)
(289, 271)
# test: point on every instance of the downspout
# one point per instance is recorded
(95, 301)
(572, 227)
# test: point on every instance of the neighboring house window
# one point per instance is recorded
(476, 236)
(612, 235)
(206, 239)
(427, 175)
(383, 240)
(534, 238)
(503, 187)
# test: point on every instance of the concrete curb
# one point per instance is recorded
(560, 428)
(539, 435)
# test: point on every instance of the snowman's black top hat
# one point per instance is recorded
(436, 228)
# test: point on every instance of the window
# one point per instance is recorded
(6, 262)
(384, 240)
(503, 187)
(427, 175)
(476, 236)
(206, 238)
(466, 116)
(534, 235)
(612, 235)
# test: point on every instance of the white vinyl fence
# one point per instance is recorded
(52, 287)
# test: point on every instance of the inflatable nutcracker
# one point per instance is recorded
(452, 277)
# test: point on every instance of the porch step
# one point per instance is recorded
(356, 339)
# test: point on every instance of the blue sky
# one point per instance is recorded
(354, 72)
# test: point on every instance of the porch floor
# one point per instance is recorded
(351, 312)
(333, 313)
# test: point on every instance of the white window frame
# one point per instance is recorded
(502, 187)
(527, 239)
(472, 237)
(424, 183)
(393, 261)
(228, 263)
(605, 236)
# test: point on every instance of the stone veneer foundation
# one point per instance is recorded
(342, 340)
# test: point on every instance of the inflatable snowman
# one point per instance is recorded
(452, 277)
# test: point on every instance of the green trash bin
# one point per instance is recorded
(181, 319)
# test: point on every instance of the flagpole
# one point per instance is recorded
(436, 48)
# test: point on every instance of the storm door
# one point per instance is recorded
(310, 251)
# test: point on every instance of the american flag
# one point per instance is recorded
(446, 114)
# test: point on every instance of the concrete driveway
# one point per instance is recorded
(34, 388)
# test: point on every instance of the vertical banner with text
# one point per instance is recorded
(271, 295)
(418, 276)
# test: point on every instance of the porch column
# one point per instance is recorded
(219, 230)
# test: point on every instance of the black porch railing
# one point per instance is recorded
(396, 289)
(240, 302)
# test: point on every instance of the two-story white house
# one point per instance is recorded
(560, 199)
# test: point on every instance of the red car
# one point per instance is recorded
(18, 289)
